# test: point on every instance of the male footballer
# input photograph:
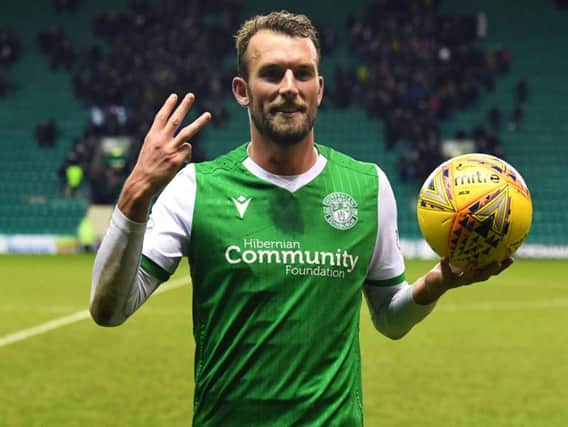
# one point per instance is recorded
(282, 236)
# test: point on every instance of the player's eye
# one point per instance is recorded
(304, 73)
(272, 74)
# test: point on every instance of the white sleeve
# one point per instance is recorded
(387, 262)
(169, 225)
(388, 295)
(118, 281)
(393, 310)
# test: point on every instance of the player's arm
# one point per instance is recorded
(396, 306)
(389, 297)
(119, 285)
(117, 278)
(394, 311)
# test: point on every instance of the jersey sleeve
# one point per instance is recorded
(386, 267)
(389, 297)
(169, 225)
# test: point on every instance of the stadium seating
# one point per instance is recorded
(538, 149)
(31, 202)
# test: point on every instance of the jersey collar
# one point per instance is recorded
(291, 183)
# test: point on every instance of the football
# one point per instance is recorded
(474, 209)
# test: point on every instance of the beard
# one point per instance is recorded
(281, 129)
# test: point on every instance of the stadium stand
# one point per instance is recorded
(535, 38)
(32, 200)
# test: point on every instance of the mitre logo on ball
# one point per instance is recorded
(474, 209)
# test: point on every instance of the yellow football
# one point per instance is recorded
(474, 209)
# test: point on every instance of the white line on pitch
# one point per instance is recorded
(72, 318)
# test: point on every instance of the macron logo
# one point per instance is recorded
(241, 203)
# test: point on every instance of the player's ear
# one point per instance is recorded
(240, 91)
(320, 91)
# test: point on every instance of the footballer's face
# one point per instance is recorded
(284, 88)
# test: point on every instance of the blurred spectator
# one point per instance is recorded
(9, 48)
(478, 133)
(54, 43)
(86, 235)
(7, 86)
(112, 120)
(105, 187)
(116, 159)
(73, 179)
(342, 90)
(47, 133)
(327, 38)
(69, 6)
(494, 116)
(460, 134)
(521, 91)
(215, 102)
(516, 117)
(503, 61)
(81, 154)
(494, 145)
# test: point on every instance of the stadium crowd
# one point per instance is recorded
(410, 67)
(140, 56)
(417, 68)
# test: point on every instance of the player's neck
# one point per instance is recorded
(283, 159)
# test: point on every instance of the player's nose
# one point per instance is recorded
(288, 85)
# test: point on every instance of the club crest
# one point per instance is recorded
(340, 210)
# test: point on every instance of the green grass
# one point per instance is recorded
(494, 354)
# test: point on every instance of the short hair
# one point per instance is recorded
(293, 25)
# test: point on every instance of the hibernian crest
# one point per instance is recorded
(340, 210)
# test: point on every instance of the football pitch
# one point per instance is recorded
(493, 354)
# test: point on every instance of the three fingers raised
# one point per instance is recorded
(163, 113)
(177, 117)
(194, 127)
(169, 118)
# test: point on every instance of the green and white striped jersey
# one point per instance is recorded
(277, 264)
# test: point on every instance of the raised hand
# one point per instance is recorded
(163, 153)
(161, 156)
